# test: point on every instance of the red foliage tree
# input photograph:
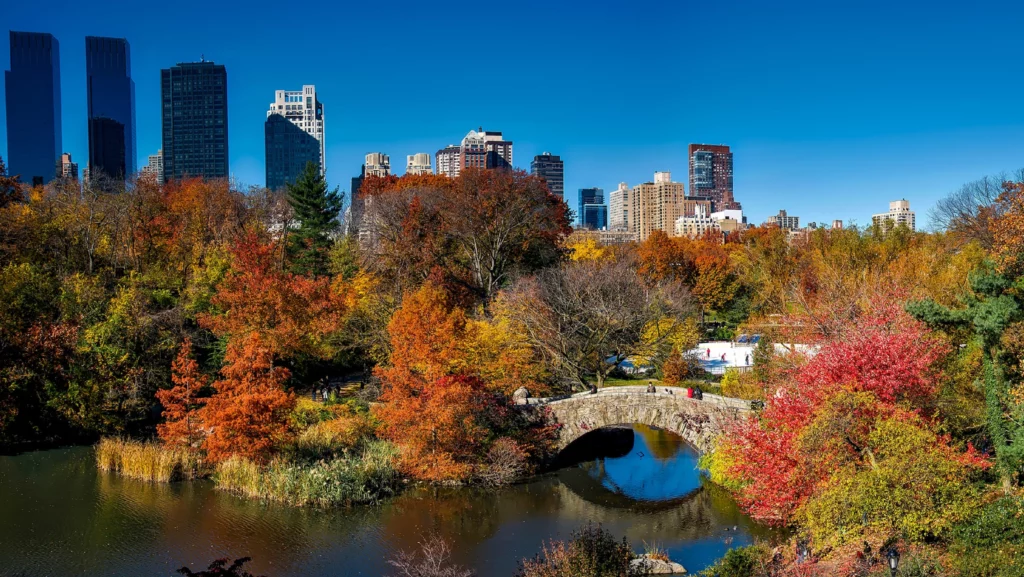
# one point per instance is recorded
(182, 426)
(888, 356)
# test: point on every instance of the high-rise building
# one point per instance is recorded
(155, 167)
(656, 206)
(33, 107)
(111, 106)
(66, 168)
(711, 175)
(499, 150)
(195, 120)
(618, 208)
(550, 167)
(448, 160)
(899, 213)
(784, 221)
(593, 213)
(293, 135)
(418, 163)
(378, 164)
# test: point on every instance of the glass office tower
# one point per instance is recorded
(194, 98)
(33, 107)
(111, 95)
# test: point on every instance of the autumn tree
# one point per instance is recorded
(587, 317)
(182, 402)
(248, 415)
(10, 188)
(820, 419)
(316, 211)
(476, 231)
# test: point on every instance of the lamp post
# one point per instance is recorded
(894, 560)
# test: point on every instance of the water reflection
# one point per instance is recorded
(59, 516)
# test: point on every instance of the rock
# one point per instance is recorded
(520, 396)
(658, 567)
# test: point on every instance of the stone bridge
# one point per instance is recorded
(696, 421)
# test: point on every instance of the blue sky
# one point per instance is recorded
(832, 108)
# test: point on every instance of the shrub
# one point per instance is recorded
(220, 568)
(739, 562)
(147, 461)
(364, 478)
(432, 560)
(342, 430)
(741, 385)
(591, 551)
(506, 462)
(991, 543)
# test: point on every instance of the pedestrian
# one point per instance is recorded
(314, 394)
(723, 357)
(593, 389)
(697, 393)
(650, 387)
(325, 395)
(748, 359)
(709, 353)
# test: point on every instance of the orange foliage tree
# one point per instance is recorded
(265, 313)
(182, 426)
(249, 414)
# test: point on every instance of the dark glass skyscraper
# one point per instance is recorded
(111, 94)
(593, 211)
(289, 149)
(549, 167)
(711, 175)
(33, 107)
(194, 98)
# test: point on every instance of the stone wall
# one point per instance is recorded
(696, 421)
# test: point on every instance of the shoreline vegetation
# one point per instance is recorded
(889, 370)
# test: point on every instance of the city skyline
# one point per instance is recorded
(877, 123)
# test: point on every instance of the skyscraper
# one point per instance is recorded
(711, 175)
(479, 149)
(418, 163)
(33, 107)
(656, 206)
(618, 208)
(550, 167)
(593, 213)
(195, 120)
(111, 106)
(293, 135)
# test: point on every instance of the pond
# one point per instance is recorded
(60, 516)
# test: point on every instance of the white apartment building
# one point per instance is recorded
(448, 160)
(302, 109)
(418, 163)
(697, 224)
(378, 164)
(155, 166)
(618, 208)
(899, 213)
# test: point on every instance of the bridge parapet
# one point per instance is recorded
(697, 421)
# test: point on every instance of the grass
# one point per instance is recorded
(366, 477)
(147, 461)
(653, 551)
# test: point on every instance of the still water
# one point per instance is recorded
(60, 516)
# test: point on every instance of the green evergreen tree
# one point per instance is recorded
(997, 303)
(316, 210)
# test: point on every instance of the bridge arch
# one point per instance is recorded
(696, 421)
